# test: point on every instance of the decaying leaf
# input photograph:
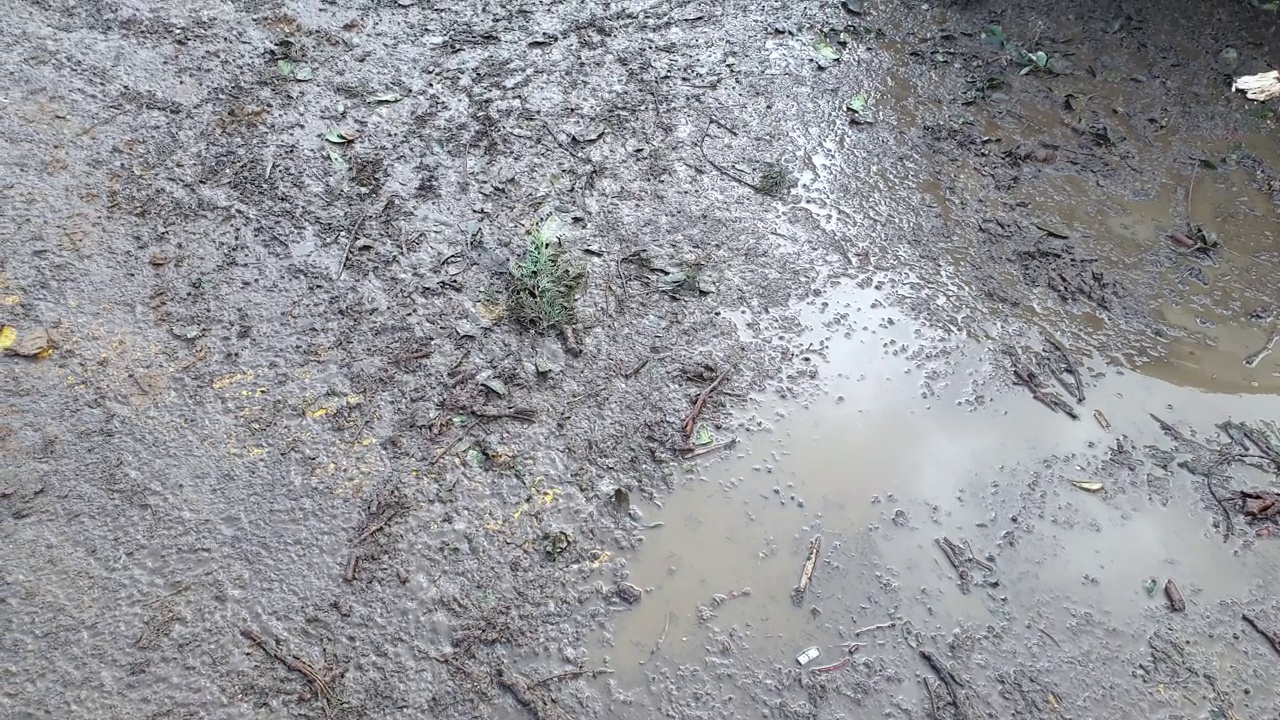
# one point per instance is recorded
(702, 435)
(387, 97)
(827, 50)
(859, 111)
(338, 161)
(302, 73)
(341, 135)
(33, 343)
(1088, 485)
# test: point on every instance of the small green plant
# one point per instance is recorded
(1033, 62)
(543, 282)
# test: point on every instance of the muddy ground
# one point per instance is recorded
(292, 455)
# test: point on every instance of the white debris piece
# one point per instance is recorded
(807, 655)
(1262, 86)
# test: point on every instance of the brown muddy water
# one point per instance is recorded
(884, 461)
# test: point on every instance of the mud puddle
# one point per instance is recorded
(1098, 248)
(902, 448)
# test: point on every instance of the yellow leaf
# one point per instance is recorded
(11, 299)
(1089, 486)
(7, 336)
(35, 343)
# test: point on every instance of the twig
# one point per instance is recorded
(950, 681)
(1270, 637)
(564, 147)
(461, 434)
(631, 371)
(698, 452)
(806, 573)
(873, 628)
(302, 667)
(1046, 634)
(839, 665)
(532, 698)
(1228, 526)
(977, 560)
(948, 549)
(692, 418)
(516, 414)
(102, 122)
(1191, 186)
(732, 176)
(1078, 390)
(665, 627)
(574, 674)
(355, 235)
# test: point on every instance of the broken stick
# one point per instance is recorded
(806, 574)
(950, 681)
(691, 419)
(1270, 637)
(952, 552)
(298, 665)
(532, 698)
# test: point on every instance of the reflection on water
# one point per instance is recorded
(885, 461)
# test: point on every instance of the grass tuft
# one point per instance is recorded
(544, 283)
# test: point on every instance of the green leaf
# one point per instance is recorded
(853, 6)
(285, 67)
(340, 135)
(302, 73)
(338, 161)
(993, 36)
(1026, 69)
(824, 48)
(858, 104)
(388, 97)
(702, 436)
(1040, 58)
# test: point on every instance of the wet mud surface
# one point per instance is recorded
(837, 273)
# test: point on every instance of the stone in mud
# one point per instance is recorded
(628, 593)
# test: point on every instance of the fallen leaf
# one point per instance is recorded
(702, 436)
(993, 36)
(388, 97)
(302, 73)
(338, 161)
(1088, 486)
(341, 135)
(589, 134)
(859, 107)
(853, 6)
(1053, 231)
(35, 343)
(825, 48)
(285, 67)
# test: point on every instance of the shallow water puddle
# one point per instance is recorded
(895, 454)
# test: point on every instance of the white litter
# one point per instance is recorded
(807, 655)
(1262, 86)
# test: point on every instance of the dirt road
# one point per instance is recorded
(411, 359)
